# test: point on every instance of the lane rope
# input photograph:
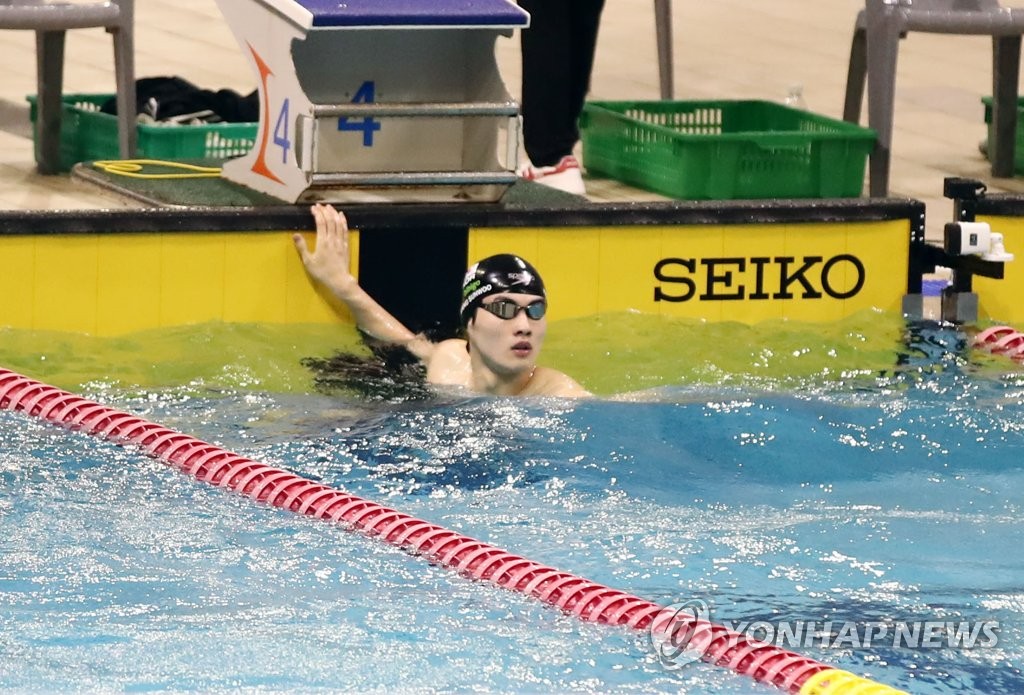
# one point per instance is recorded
(1002, 340)
(592, 602)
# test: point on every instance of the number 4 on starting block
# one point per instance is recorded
(399, 74)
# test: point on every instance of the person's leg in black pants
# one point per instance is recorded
(558, 54)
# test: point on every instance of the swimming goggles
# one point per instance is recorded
(507, 309)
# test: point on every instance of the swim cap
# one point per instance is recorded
(495, 274)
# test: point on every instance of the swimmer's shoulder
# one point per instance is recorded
(426, 349)
(551, 382)
(448, 363)
(453, 349)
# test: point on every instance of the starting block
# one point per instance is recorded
(377, 100)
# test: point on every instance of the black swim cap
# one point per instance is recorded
(495, 274)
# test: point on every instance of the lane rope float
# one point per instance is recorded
(1002, 340)
(592, 602)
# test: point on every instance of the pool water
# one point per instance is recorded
(851, 473)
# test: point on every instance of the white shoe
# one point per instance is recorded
(565, 176)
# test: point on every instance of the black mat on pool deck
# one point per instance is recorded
(184, 192)
(219, 192)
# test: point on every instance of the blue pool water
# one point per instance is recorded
(892, 497)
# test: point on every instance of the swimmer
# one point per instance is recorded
(502, 311)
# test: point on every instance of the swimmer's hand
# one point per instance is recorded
(328, 263)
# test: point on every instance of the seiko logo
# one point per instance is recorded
(810, 277)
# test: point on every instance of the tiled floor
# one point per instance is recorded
(725, 49)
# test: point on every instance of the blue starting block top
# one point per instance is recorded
(415, 13)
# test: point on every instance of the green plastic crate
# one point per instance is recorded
(87, 135)
(722, 150)
(1018, 147)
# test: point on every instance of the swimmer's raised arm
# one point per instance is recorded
(328, 264)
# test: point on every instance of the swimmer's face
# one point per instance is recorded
(508, 346)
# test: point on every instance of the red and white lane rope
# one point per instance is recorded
(588, 600)
(1002, 340)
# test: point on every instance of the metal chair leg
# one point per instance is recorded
(856, 76)
(1005, 73)
(126, 107)
(49, 86)
(663, 26)
(883, 39)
